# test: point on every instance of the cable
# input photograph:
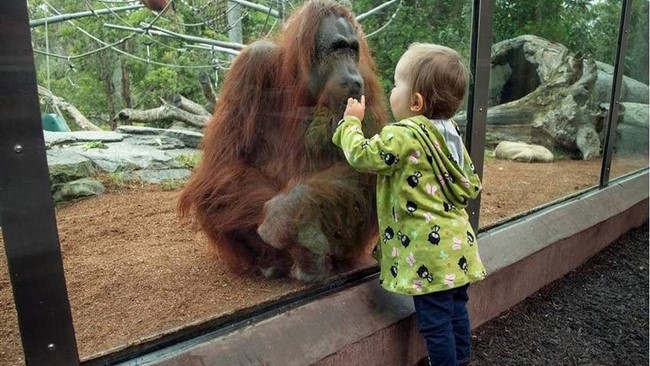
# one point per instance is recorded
(86, 53)
(126, 53)
(399, 7)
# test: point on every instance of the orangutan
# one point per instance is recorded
(272, 192)
(157, 5)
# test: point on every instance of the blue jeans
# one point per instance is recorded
(444, 323)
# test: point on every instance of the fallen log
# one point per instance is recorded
(166, 112)
(58, 102)
(189, 105)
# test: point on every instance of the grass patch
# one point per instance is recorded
(172, 184)
(189, 161)
(94, 145)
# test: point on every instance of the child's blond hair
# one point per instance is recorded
(439, 75)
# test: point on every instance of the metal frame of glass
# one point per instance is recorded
(612, 116)
(28, 222)
(29, 225)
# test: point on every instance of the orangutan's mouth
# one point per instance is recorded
(357, 95)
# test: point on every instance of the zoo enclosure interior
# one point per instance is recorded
(509, 94)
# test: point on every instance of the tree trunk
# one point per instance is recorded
(126, 83)
(208, 92)
(110, 96)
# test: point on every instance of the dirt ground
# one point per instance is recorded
(135, 272)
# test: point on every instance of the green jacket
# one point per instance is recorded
(426, 243)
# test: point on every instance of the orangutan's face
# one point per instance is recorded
(336, 76)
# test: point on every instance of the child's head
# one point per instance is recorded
(430, 80)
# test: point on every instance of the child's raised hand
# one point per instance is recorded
(356, 108)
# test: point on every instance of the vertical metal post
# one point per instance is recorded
(480, 57)
(614, 105)
(28, 222)
(281, 10)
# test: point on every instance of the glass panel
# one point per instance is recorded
(11, 349)
(546, 86)
(631, 146)
(135, 271)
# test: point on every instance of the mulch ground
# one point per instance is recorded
(595, 315)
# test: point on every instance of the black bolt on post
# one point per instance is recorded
(27, 211)
(477, 106)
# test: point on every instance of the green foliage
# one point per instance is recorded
(636, 60)
(156, 84)
(161, 66)
(587, 26)
(437, 21)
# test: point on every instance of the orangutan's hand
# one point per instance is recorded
(356, 108)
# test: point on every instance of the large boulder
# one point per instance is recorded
(632, 129)
(549, 89)
(542, 93)
(522, 152)
(133, 153)
(79, 188)
(632, 91)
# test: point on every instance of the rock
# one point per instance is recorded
(549, 88)
(632, 129)
(588, 141)
(139, 130)
(522, 152)
(159, 142)
(124, 157)
(151, 155)
(158, 176)
(84, 187)
(631, 90)
(499, 76)
(66, 166)
(541, 93)
(189, 138)
(61, 138)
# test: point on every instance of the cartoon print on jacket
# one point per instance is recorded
(413, 179)
(434, 236)
(403, 239)
(388, 233)
(389, 158)
(411, 207)
(470, 238)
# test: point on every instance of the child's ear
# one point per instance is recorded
(417, 103)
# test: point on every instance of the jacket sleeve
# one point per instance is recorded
(382, 154)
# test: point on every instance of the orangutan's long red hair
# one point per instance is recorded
(254, 146)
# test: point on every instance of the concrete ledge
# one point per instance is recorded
(365, 325)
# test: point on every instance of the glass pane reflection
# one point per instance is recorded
(545, 88)
(134, 270)
(631, 145)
